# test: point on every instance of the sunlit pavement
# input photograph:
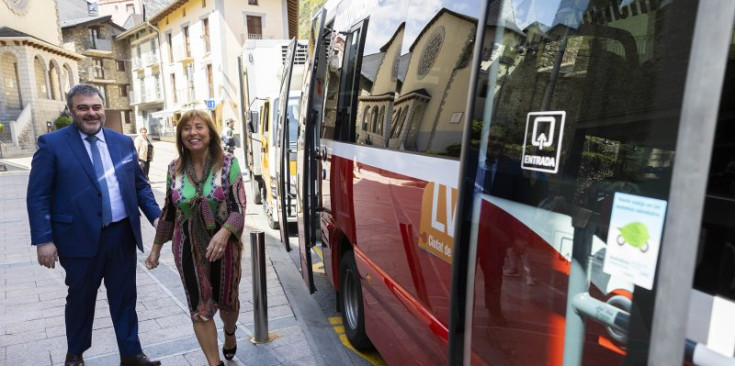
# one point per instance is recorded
(32, 297)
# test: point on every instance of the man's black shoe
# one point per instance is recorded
(73, 360)
(138, 360)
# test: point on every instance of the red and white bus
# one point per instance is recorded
(524, 182)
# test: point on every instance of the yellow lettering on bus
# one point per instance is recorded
(436, 229)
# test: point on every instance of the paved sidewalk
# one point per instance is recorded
(32, 297)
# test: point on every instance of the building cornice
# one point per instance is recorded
(32, 42)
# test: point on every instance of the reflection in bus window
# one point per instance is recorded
(713, 298)
(581, 103)
(334, 70)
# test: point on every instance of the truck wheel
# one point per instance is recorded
(353, 308)
(255, 189)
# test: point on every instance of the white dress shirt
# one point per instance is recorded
(113, 186)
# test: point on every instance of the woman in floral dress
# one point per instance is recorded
(204, 218)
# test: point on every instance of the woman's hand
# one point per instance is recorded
(152, 261)
(218, 244)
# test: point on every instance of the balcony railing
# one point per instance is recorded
(94, 43)
(147, 96)
(181, 55)
(95, 73)
(150, 59)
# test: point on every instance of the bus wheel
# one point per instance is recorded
(255, 189)
(353, 312)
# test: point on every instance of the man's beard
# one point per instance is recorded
(85, 128)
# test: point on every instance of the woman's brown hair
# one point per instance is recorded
(215, 146)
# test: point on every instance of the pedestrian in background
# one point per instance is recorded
(145, 150)
(84, 192)
(204, 217)
(228, 136)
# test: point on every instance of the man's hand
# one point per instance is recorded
(47, 255)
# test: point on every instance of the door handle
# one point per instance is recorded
(321, 153)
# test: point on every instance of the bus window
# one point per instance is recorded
(580, 103)
(334, 71)
(432, 75)
(713, 299)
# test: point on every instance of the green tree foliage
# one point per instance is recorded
(62, 121)
(307, 9)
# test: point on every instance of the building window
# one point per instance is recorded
(187, 43)
(205, 31)
(210, 81)
(130, 8)
(170, 48)
(173, 87)
(99, 69)
(255, 27)
(252, 2)
(120, 65)
(103, 90)
(94, 37)
(157, 86)
(204, 3)
(124, 90)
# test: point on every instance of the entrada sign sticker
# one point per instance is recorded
(542, 141)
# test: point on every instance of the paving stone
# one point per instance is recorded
(25, 326)
(165, 328)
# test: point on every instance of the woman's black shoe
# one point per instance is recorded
(229, 353)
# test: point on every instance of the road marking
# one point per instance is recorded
(373, 357)
(318, 267)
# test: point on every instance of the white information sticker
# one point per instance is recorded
(634, 238)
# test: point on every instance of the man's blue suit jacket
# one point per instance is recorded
(64, 200)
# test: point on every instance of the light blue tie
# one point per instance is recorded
(99, 171)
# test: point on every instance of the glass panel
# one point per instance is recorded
(581, 102)
(713, 299)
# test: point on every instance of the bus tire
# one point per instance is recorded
(255, 189)
(353, 308)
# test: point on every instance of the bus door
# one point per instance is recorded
(308, 154)
(569, 177)
(338, 125)
(283, 152)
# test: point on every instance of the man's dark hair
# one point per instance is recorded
(82, 89)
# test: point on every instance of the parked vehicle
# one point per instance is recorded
(253, 151)
(271, 154)
(521, 183)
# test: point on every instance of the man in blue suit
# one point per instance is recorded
(84, 192)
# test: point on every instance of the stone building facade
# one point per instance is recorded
(106, 65)
(35, 73)
(146, 96)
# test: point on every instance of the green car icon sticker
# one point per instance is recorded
(636, 235)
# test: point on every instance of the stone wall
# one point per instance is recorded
(114, 79)
(46, 110)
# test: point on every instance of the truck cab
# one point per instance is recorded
(269, 134)
(253, 151)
